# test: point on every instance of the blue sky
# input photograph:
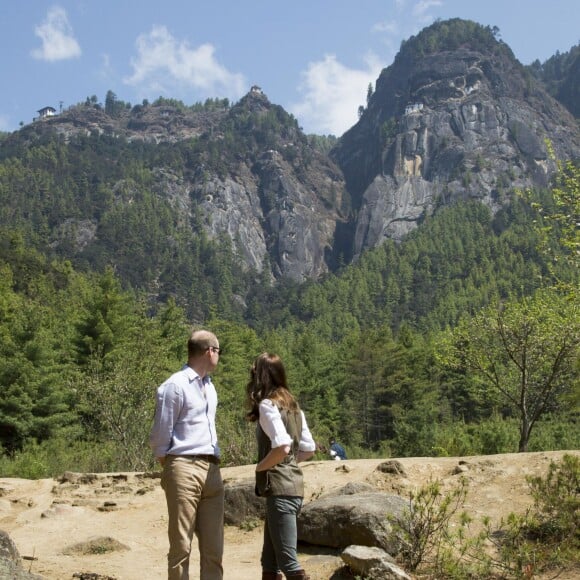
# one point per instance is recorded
(315, 58)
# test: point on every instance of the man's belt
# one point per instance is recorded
(210, 458)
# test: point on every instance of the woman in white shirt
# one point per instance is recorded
(283, 441)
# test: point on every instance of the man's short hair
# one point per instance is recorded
(199, 342)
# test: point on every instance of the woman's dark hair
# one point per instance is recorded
(268, 381)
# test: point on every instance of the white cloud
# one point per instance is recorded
(106, 72)
(4, 123)
(332, 94)
(58, 41)
(164, 64)
(386, 27)
(389, 33)
(423, 6)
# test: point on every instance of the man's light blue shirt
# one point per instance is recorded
(185, 416)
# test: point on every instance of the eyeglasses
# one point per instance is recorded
(216, 349)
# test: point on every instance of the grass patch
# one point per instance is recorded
(101, 545)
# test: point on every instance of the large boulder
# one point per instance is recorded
(242, 504)
(10, 562)
(361, 519)
(352, 488)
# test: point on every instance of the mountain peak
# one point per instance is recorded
(455, 116)
(453, 34)
(255, 100)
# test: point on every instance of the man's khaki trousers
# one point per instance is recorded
(194, 492)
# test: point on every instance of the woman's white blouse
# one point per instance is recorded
(271, 423)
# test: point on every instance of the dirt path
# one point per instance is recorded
(46, 518)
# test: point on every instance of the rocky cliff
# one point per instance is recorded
(245, 171)
(281, 201)
(455, 116)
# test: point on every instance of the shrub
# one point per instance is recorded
(55, 456)
(556, 503)
(425, 525)
(545, 539)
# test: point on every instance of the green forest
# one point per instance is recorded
(462, 339)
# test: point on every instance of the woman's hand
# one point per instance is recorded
(304, 456)
(275, 456)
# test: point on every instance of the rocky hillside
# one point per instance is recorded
(456, 116)
(246, 171)
(560, 74)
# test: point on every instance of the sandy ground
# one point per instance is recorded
(45, 518)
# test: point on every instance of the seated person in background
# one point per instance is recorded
(336, 450)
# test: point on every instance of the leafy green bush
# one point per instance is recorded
(557, 503)
(496, 435)
(237, 440)
(55, 456)
(424, 527)
(546, 539)
(437, 541)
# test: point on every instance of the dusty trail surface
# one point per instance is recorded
(48, 518)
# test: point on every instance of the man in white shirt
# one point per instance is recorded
(184, 441)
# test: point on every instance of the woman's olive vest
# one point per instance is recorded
(286, 477)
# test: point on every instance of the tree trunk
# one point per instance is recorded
(525, 429)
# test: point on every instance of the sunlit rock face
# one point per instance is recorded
(455, 117)
(442, 127)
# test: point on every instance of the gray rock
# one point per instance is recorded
(352, 488)
(372, 563)
(8, 549)
(241, 504)
(362, 519)
(10, 562)
(462, 124)
(392, 466)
